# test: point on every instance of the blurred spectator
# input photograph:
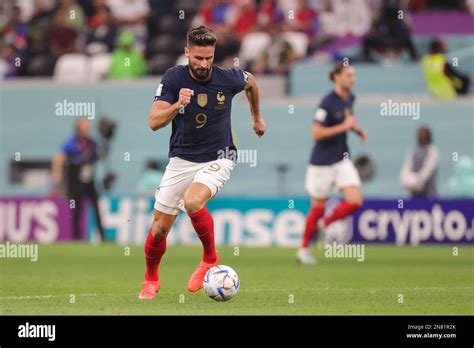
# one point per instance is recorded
(415, 5)
(246, 15)
(43, 12)
(40, 57)
(287, 6)
(270, 12)
(74, 165)
(443, 81)
(94, 16)
(127, 61)
(131, 16)
(212, 12)
(10, 62)
(73, 13)
(345, 17)
(89, 7)
(61, 37)
(159, 9)
(98, 23)
(102, 34)
(418, 174)
(445, 5)
(278, 56)
(150, 179)
(228, 46)
(13, 44)
(14, 31)
(306, 19)
(26, 8)
(389, 32)
(3, 13)
(470, 6)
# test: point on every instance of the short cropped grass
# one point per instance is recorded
(79, 279)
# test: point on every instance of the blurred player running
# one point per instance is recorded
(330, 164)
(196, 98)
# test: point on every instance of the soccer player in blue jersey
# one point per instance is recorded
(330, 164)
(196, 99)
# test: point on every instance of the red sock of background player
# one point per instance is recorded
(204, 225)
(340, 212)
(154, 250)
(310, 229)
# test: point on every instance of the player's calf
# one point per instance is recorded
(159, 230)
(155, 248)
(195, 199)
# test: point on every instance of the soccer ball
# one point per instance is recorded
(221, 283)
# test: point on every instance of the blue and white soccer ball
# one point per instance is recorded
(221, 283)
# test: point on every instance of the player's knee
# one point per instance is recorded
(192, 204)
(160, 230)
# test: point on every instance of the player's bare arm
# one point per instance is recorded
(162, 112)
(322, 132)
(251, 91)
(361, 133)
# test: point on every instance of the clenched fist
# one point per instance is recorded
(185, 95)
(259, 126)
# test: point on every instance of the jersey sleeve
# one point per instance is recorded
(166, 90)
(239, 79)
(321, 113)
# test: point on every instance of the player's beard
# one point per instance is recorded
(200, 73)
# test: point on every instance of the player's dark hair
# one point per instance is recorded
(201, 36)
(427, 132)
(436, 46)
(337, 69)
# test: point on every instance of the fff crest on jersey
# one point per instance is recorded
(220, 98)
(220, 101)
(202, 99)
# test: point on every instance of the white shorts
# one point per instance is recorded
(180, 174)
(320, 179)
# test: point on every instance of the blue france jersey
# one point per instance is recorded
(332, 111)
(203, 132)
(80, 151)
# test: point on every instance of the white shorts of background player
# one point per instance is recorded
(320, 179)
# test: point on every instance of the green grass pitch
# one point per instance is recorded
(103, 281)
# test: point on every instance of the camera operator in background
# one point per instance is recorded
(74, 167)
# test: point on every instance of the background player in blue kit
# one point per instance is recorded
(330, 164)
(196, 99)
